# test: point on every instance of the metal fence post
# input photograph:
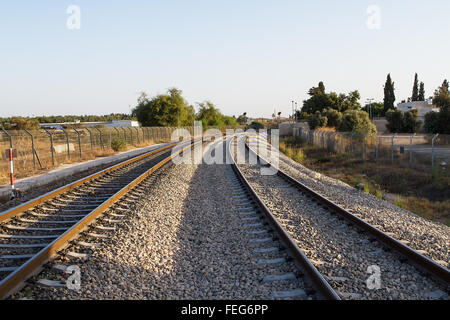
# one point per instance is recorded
(351, 144)
(392, 148)
(90, 137)
(118, 132)
(32, 147)
(138, 139)
(342, 143)
(67, 142)
(410, 149)
(432, 152)
(131, 135)
(124, 134)
(376, 149)
(364, 147)
(10, 138)
(79, 141)
(101, 138)
(51, 146)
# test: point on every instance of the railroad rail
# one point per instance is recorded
(33, 233)
(431, 267)
(322, 287)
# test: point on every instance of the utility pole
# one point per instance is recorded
(369, 104)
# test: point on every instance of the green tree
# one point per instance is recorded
(411, 122)
(164, 110)
(320, 100)
(389, 94)
(431, 124)
(357, 121)
(415, 93)
(334, 117)
(317, 120)
(377, 109)
(422, 92)
(395, 119)
(208, 112)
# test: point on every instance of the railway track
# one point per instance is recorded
(340, 247)
(35, 232)
(274, 244)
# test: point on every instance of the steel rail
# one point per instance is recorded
(439, 272)
(321, 285)
(10, 213)
(15, 280)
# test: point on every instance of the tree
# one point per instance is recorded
(208, 112)
(334, 117)
(400, 122)
(431, 124)
(320, 100)
(415, 93)
(389, 95)
(357, 121)
(376, 108)
(411, 122)
(422, 92)
(317, 120)
(164, 110)
(395, 119)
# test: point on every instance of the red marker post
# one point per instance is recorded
(11, 153)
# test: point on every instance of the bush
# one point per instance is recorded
(257, 125)
(357, 121)
(118, 144)
(317, 120)
(399, 122)
(334, 117)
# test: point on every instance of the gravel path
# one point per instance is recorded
(430, 238)
(183, 240)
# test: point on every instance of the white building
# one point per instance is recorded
(423, 106)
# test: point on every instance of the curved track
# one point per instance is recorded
(34, 232)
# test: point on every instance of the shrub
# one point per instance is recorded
(118, 144)
(357, 121)
(257, 125)
(317, 120)
(334, 117)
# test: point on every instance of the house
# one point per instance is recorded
(423, 106)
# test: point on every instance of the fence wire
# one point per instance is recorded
(430, 153)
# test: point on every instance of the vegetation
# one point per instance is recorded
(389, 95)
(256, 125)
(320, 100)
(413, 190)
(357, 121)
(118, 144)
(171, 110)
(439, 122)
(398, 121)
(164, 110)
(415, 93)
(375, 108)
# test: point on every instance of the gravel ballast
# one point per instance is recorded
(183, 240)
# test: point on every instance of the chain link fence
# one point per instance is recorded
(45, 149)
(429, 153)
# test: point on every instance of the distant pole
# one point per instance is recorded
(369, 104)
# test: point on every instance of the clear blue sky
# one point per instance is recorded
(244, 55)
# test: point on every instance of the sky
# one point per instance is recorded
(244, 56)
